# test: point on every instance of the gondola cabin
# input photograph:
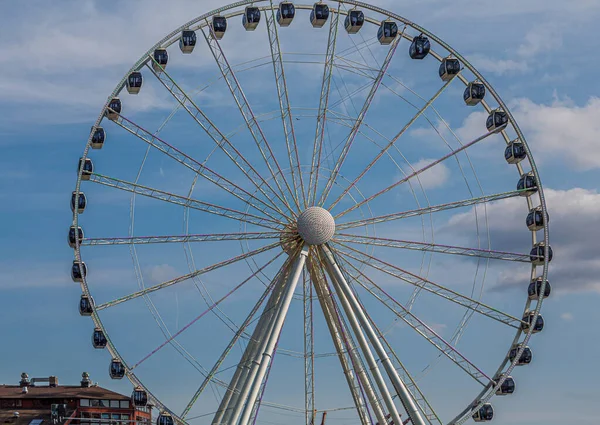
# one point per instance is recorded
(73, 234)
(187, 41)
(86, 305)
(134, 82)
(535, 219)
(387, 32)
(116, 370)
(114, 109)
(449, 68)
(285, 13)
(164, 418)
(474, 93)
(251, 18)
(535, 289)
(496, 120)
(319, 15)
(77, 272)
(536, 255)
(507, 387)
(98, 339)
(527, 184)
(528, 322)
(98, 138)
(219, 26)
(484, 414)
(88, 168)
(81, 202)
(420, 47)
(139, 397)
(526, 355)
(161, 58)
(515, 152)
(354, 21)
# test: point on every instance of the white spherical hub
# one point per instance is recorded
(316, 226)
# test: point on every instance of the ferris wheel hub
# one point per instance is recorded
(316, 226)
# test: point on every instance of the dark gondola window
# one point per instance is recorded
(526, 355)
(514, 152)
(448, 68)
(188, 38)
(161, 56)
(98, 339)
(135, 79)
(81, 201)
(115, 105)
(419, 48)
(76, 271)
(140, 398)
(117, 370)
(219, 24)
(537, 253)
(88, 166)
(322, 11)
(98, 136)
(86, 306)
(253, 15)
(72, 233)
(507, 387)
(535, 288)
(164, 419)
(356, 18)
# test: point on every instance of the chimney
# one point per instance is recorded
(24, 390)
(52, 381)
(24, 382)
(86, 382)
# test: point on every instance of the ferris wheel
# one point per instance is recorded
(299, 176)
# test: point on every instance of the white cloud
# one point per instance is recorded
(433, 178)
(160, 273)
(567, 317)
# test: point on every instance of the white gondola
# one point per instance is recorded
(251, 18)
(536, 255)
(116, 370)
(528, 322)
(164, 418)
(78, 273)
(496, 120)
(139, 397)
(535, 219)
(81, 202)
(285, 13)
(420, 47)
(134, 82)
(86, 305)
(535, 289)
(98, 339)
(72, 236)
(88, 168)
(387, 32)
(319, 14)
(449, 68)
(355, 19)
(507, 387)
(528, 184)
(187, 41)
(114, 109)
(474, 93)
(484, 414)
(219, 26)
(161, 58)
(515, 152)
(526, 355)
(98, 138)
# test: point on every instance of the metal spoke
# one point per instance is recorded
(432, 247)
(416, 173)
(361, 116)
(419, 326)
(309, 353)
(284, 106)
(189, 162)
(429, 209)
(188, 276)
(323, 106)
(249, 117)
(215, 237)
(186, 202)
(215, 134)
(391, 143)
(432, 287)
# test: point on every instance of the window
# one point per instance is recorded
(84, 402)
(125, 419)
(124, 404)
(94, 403)
(104, 403)
(114, 403)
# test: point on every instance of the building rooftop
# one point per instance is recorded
(60, 391)
(25, 416)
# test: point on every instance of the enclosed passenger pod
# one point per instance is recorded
(484, 414)
(114, 109)
(164, 418)
(78, 273)
(536, 255)
(535, 219)
(285, 13)
(161, 58)
(515, 152)
(98, 138)
(219, 26)
(251, 18)
(139, 397)
(507, 387)
(474, 93)
(528, 184)
(387, 32)
(449, 68)
(526, 355)
(496, 120)
(319, 14)
(134, 82)
(535, 289)
(98, 339)
(81, 202)
(116, 370)
(73, 234)
(420, 47)
(86, 306)
(528, 322)
(88, 168)
(355, 19)
(187, 41)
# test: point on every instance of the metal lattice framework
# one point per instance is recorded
(285, 177)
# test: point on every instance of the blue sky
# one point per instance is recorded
(61, 61)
